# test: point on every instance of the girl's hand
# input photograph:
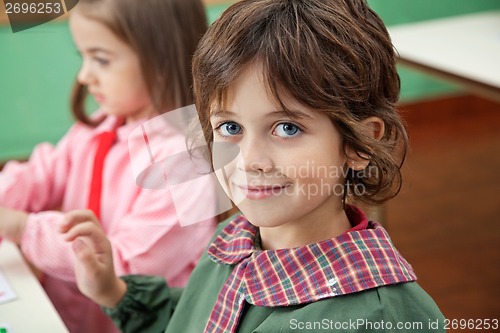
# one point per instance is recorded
(94, 270)
(12, 224)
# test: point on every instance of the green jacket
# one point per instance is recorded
(151, 306)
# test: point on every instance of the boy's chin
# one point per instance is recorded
(260, 219)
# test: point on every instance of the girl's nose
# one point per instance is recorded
(85, 74)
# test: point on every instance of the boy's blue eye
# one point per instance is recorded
(287, 130)
(229, 129)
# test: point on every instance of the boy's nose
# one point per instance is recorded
(255, 156)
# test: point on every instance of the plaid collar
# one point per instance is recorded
(352, 262)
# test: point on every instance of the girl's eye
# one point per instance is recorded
(287, 130)
(229, 129)
(101, 61)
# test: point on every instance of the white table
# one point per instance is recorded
(32, 310)
(464, 49)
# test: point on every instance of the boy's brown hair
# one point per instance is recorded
(334, 56)
(163, 33)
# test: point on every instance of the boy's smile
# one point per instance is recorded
(256, 192)
(288, 177)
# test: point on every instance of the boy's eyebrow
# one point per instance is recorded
(221, 113)
(296, 114)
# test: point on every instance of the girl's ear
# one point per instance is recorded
(374, 128)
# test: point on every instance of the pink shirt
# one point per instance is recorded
(141, 224)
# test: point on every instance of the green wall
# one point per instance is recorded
(37, 68)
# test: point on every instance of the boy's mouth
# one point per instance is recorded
(261, 191)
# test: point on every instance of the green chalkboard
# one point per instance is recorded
(37, 68)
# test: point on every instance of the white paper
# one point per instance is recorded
(5, 328)
(6, 292)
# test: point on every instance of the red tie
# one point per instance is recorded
(106, 140)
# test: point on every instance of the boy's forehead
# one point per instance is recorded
(251, 90)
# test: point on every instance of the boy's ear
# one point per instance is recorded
(374, 128)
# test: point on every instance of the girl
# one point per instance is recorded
(133, 75)
(306, 89)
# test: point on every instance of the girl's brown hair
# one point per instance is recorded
(334, 56)
(163, 33)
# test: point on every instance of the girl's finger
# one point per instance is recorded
(93, 238)
(85, 255)
(83, 229)
(75, 217)
(92, 233)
